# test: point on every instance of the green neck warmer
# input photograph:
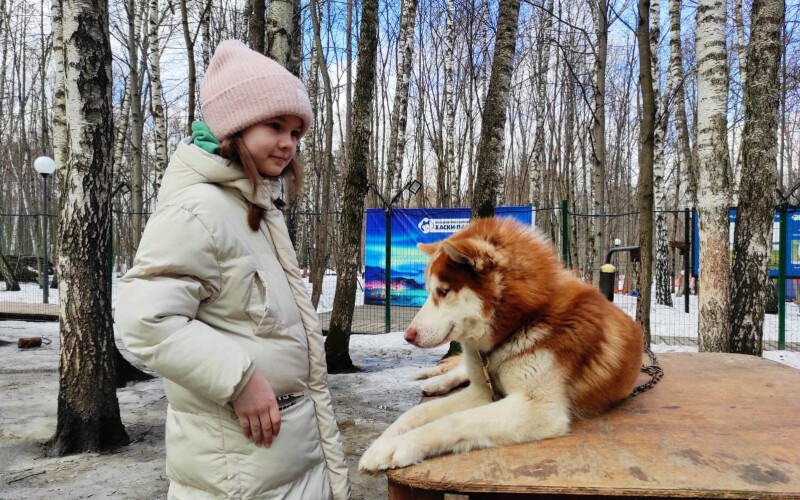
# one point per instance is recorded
(203, 138)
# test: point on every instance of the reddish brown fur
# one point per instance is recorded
(522, 284)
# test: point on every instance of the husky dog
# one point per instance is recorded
(540, 347)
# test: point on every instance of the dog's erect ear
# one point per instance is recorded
(458, 252)
(476, 253)
(430, 248)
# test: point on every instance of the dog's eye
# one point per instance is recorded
(442, 292)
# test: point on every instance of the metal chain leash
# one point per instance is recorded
(653, 370)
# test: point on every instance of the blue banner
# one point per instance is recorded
(409, 227)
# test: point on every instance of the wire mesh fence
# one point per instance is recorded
(614, 239)
(22, 265)
(584, 240)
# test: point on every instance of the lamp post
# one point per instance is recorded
(46, 167)
(125, 188)
(413, 186)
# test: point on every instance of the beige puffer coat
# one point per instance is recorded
(207, 301)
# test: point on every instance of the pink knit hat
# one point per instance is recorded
(242, 87)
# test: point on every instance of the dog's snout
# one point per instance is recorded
(411, 335)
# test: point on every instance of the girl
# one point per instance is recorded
(215, 302)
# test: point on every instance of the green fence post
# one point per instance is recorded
(388, 274)
(782, 282)
(564, 233)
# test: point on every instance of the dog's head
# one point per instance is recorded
(482, 282)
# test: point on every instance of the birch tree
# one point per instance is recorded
(712, 196)
(491, 146)
(752, 243)
(646, 157)
(189, 40)
(677, 85)
(122, 126)
(279, 24)
(88, 410)
(663, 274)
(450, 113)
(397, 135)
(156, 90)
(596, 243)
(355, 189)
(538, 167)
(321, 240)
(134, 19)
(256, 10)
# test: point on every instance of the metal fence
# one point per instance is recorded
(572, 233)
(21, 255)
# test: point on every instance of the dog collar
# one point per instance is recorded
(496, 396)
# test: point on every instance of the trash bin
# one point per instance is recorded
(607, 273)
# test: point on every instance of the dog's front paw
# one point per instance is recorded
(406, 452)
(378, 456)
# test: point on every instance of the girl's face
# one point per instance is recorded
(272, 143)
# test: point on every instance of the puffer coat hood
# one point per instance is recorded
(206, 303)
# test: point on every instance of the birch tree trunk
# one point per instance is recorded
(420, 138)
(295, 63)
(155, 88)
(321, 237)
(137, 197)
(753, 233)
(688, 179)
(397, 134)
(205, 28)
(355, 189)
(663, 274)
(712, 197)
(538, 166)
(256, 26)
(122, 128)
(646, 157)
(280, 20)
(741, 52)
(348, 131)
(449, 99)
(491, 145)
(741, 45)
(88, 410)
(187, 38)
(278, 46)
(60, 147)
(596, 244)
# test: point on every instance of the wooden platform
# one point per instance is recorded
(716, 426)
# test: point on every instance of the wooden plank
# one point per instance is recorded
(28, 311)
(716, 426)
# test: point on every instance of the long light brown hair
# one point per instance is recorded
(233, 148)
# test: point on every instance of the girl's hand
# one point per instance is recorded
(257, 410)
